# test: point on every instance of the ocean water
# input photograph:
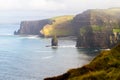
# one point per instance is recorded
(28, 58)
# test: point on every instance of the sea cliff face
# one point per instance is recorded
(32, 27)
(98, 28)
(106, 66)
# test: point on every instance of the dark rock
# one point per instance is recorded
(15, 33)
(78, 42)
(61, 77)
(54, 41)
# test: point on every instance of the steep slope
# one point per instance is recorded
(95, 28)
(32, 27)
(106, 66)
(60, 26)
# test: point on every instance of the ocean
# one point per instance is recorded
(29, 58)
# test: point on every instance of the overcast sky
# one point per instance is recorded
(39, 9)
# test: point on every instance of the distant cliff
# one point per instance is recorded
(61, 26)
(106, 66)
(32, 27)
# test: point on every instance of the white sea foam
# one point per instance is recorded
(67, 46)
(29, 37)
(106, 49)
(96, 50)
(32, 37)
(62, 46)
(47, 57)
(6, 35)
(44, 51)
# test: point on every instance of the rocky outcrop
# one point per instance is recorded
(54, 41)
(32, 27)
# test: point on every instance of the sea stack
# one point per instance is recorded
(54, 41)
(78, 42)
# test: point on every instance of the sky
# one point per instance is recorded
(18, 10)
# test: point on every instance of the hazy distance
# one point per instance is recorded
(14, 11)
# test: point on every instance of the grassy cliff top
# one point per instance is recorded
(62, 17)
(113, 11)
(60, 26)
(106, 66)
(110, 11)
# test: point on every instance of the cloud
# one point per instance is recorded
(80, 5)
(37, 9)
(45, 5)
(56, 5)
(30, 5)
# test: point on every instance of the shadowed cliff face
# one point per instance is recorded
(95, 28)
(106, 66)
(32, 27)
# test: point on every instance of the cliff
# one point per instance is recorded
(60, 26)
(95, 27)
(106, 66)
(32, 27)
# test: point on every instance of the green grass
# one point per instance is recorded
(97, 28)
(61, 17)
(61, 26)
(82, 30)
(112, 11)
(116, 30)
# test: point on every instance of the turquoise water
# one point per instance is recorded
(28, 58)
